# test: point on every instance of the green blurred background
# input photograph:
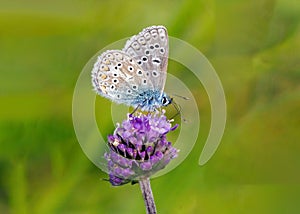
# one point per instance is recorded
(254, 47)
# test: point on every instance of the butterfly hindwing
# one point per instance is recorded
(118, 77)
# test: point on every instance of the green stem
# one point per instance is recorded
(147, 195)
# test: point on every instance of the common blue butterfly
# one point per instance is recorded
(136, 75)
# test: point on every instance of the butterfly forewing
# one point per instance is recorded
(150, 49)
(136, 75)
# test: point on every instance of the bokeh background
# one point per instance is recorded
(254, 47)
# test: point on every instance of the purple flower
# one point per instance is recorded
(139, 148)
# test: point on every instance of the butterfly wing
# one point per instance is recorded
(118, 77)
(150, 49)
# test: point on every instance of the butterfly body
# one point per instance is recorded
(150, 100)
(136, 75)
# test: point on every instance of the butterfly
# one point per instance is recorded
(136, 75)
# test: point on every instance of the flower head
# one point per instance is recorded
(139, 148)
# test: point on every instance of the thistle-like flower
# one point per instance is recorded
(139, 148)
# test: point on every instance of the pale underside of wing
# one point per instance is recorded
(119, 78)
(150, 49)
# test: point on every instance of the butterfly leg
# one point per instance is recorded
(136, 108)
(177, 108)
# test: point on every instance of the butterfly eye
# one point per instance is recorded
(164, 101)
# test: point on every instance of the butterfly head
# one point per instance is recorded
(166, 100)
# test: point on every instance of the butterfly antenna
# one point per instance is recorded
(182, 97)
